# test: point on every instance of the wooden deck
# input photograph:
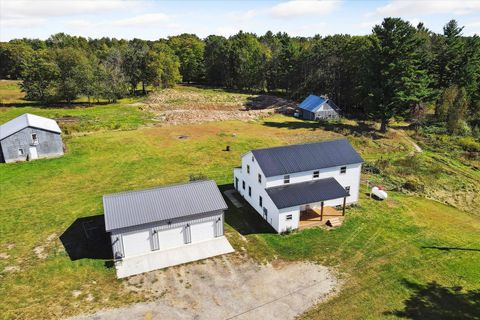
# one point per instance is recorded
(311, 218)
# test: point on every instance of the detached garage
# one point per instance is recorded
(165, 226)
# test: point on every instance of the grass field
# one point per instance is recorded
(404, 257)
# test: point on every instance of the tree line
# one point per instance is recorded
(398, 71)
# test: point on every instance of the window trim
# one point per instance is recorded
(347, 189)
(289, 217)
(286, 179)
(243, 184)
(260, 201)
(316, 174)
(248, 168)
(259, 178)
(343, 170)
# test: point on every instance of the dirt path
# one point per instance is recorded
(224, 288)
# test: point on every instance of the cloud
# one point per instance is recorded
(55, 8)
(144, 20)
(149, 19)
(402, 8)
(472, 28)
(300, 8)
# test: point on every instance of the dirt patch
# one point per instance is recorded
(68, 119)
(186, 105)
(4, 255)
(222, 288)
(40, 252)
(11, 269)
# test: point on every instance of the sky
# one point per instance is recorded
(151, 20)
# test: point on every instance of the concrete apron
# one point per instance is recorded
(172, 257)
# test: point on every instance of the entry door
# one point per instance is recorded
(32, 153)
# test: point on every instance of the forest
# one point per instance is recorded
(399, 71)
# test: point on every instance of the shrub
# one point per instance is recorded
(413, 186)
(469, 144)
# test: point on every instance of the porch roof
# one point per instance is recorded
(296, 194)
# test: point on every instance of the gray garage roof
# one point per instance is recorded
(305, 157)
(133, 208)
(291, 195)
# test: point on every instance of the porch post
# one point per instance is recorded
(321, 212)
(344, 202)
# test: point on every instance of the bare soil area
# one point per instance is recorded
(186, 105)
(224, 288)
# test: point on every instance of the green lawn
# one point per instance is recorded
(386, 252)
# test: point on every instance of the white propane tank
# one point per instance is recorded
(379, 193)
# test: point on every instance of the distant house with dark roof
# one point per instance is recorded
(165, 226)
(317, 108)
(286, 185)
(30, 137)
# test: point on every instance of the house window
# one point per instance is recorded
(288, 217)
(20, 152)
(249, 191)
(265, 213)
(260, 201)
(347, 188)
(316, 174)
(286, 178)
(343, 170)
(248, 168)
(34, 138)
(253, 159)
(243, 184)
(259, 178)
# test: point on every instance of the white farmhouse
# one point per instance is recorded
(284, 184)
(165, 226)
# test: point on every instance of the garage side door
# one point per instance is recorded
(136, 243)
(171, 238)
(202, 231)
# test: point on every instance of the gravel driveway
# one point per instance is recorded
(227, 288)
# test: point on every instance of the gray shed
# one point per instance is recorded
(318, 108)
(30, 137)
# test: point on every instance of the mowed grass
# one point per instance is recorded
(383, 252)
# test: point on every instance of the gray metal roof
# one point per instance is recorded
(134, 208)
(305, 157)
(296, 194)
(28, 120)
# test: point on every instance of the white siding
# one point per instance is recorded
(145, 239)
(351, 178)
(277, 218)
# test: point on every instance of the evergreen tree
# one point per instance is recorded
(397, 82)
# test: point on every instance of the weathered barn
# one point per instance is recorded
(165, 226)
(318, 108)
(30, 137)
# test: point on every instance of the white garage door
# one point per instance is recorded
(203, 231)
(136, 243)
(171, 238)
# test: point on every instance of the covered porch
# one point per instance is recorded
(318, 216)
(309, 198)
